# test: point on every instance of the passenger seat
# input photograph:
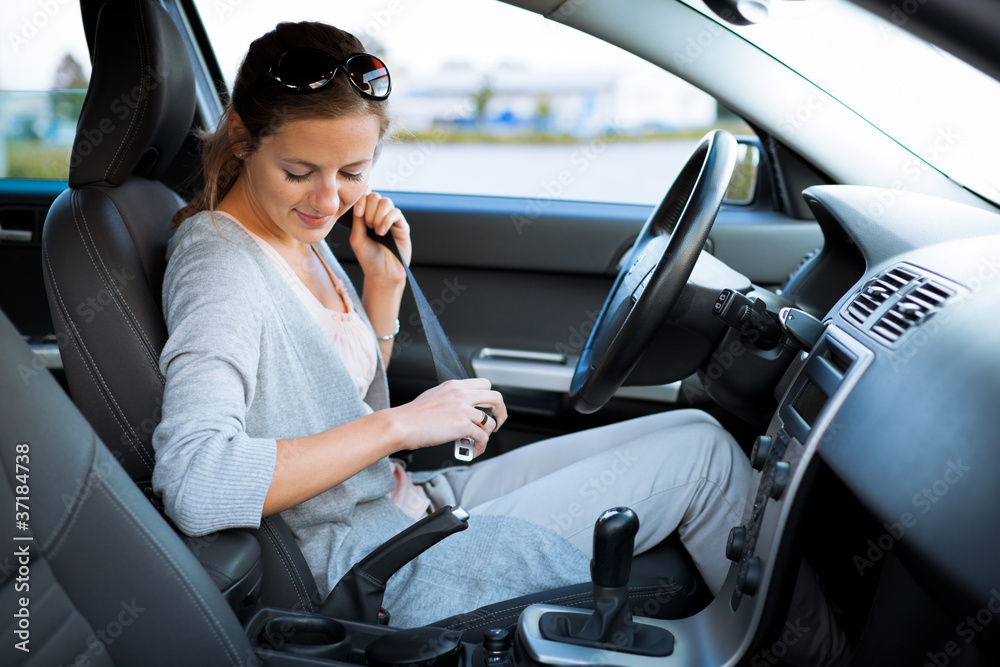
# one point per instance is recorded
(90, 573)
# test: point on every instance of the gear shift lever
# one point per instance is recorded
(610, 626)
(614, 539)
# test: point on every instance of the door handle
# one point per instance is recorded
(15, 235)
(548, 371)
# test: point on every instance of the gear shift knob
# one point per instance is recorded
(614, 539)
(611, 623)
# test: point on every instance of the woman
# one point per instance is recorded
(276, 398)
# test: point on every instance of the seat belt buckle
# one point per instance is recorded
(464, 448)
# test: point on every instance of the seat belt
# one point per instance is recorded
(447, 365)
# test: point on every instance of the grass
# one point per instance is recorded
(28, 158)
(744, 183)
(460, 137)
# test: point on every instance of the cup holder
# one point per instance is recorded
(309, 636)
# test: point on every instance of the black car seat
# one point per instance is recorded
(104, 254)
(91, 573)
(103, 248)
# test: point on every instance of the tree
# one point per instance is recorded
(481, 99)
(69, 78)
(543, 113)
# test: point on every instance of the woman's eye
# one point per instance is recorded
(295, 178)
(353, 177)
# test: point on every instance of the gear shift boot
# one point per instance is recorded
(610, 627)
(637, 638)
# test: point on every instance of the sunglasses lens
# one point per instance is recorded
(305, 69)
(369, 74)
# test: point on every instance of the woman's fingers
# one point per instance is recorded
(380, 216)
(454, 410)
(377, 212)
(372, 211)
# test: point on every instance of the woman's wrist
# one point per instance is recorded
(393, 429)
(382, 307)
(386, 282)
(389, 336)
(382, 299)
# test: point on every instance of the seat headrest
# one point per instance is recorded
(141, 98)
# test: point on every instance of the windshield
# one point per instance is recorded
(933, 104)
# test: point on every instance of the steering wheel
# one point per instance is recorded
(658, 268)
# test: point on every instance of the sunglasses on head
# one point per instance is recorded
(306, 70)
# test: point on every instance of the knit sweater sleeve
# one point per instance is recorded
(210, 473)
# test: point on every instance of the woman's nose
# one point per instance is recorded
(325, 197)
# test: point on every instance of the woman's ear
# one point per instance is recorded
(238, 136)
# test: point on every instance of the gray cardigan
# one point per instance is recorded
(246, 364)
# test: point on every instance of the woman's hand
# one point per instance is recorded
(384, 276)
(450, 411)
(373, 211)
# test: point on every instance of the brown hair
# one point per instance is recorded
(272, 106)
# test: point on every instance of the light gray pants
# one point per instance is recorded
(678, 470)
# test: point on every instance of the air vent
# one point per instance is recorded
(894, 302)
(912, 308)
(876, 292)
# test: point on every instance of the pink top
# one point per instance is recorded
(352, 339)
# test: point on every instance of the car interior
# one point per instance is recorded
(837, 325)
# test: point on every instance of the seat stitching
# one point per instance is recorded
(55, 632)
(575, 599)
(281, 557)
(68, 519)
(129, 138)
(98, 381)
(96, 377)
(161, 552)
(294, 570)
(296, 573)
(136, 439)
(640, 590)
(102, 271)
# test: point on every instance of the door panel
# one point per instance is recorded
(499, 279)
(581, 237)
(23, 205)
(501, 272)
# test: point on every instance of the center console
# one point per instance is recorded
(725, 631)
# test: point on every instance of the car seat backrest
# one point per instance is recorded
(104, 240)
(104, 253)
(89, 567)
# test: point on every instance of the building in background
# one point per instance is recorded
(512, 100)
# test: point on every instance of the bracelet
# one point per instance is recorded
(392, 335)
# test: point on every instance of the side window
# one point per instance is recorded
(489, 99)
(44, 71)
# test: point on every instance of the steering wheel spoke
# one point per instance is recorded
(659, 266)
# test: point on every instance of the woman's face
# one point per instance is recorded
(308, 173)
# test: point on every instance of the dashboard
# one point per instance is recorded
(897, 400)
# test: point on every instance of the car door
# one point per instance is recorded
(519, 302)
(522, 205)
(520, 229)
(44, 71)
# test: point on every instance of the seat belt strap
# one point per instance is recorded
(447, 365)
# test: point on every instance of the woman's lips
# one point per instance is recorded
(312, 221)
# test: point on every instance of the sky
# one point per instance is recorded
(480, 32)
(35, 34)
(418, 37)
(421, 36)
